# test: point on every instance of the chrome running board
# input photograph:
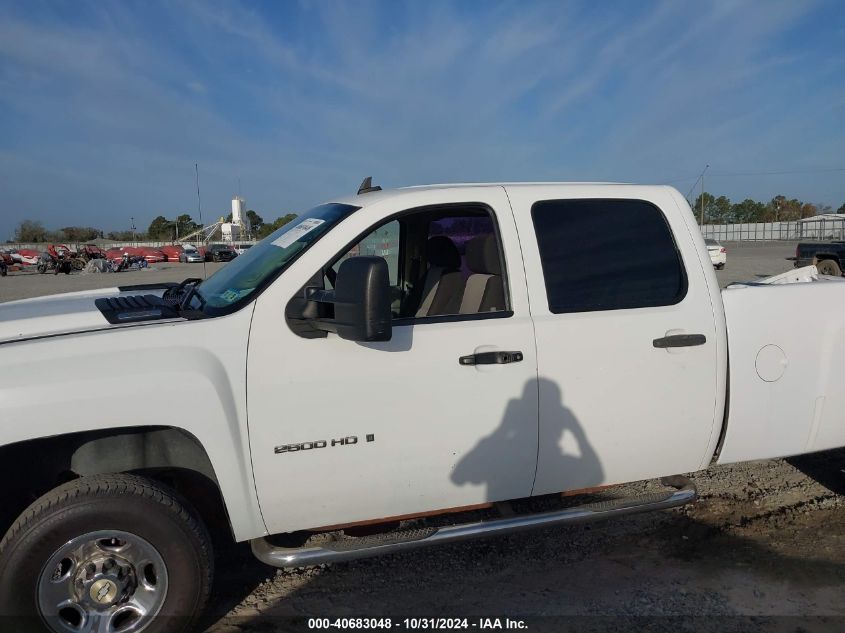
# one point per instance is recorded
(352, 548)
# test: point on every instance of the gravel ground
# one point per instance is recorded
(763, 549)
(750, 261)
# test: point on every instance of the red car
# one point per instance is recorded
(151, 254)
(114, 254)
(27, 256)
(172, 251)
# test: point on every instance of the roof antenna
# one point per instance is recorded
(367, 186)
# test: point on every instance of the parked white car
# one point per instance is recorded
(718, 253)
(386, 357)
(190, 254)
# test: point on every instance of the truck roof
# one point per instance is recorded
(375, 196)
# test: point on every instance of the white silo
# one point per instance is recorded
(239, 213)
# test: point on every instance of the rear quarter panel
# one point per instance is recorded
(785, 343)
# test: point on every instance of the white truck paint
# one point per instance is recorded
(591, 403)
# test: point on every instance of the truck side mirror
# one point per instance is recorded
(361, 301)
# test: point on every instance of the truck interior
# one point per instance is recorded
(442, 262)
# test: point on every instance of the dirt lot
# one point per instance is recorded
(763, 549)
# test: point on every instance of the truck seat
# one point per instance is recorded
(444, 284)
(485, 291)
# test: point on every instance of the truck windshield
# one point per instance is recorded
(257, 267)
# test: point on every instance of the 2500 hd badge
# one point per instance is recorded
(307, 446)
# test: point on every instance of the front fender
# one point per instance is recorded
(187, 375)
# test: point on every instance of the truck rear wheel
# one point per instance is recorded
(829, 267)
(106, 553)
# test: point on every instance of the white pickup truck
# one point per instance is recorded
(438, 350)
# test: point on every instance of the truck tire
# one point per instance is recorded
(114, 550)
(829, 267)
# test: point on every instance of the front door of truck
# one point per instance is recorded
(345, 432)
(628, 349)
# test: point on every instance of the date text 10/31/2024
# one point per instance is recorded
(418, 623)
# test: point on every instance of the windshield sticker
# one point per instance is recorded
(233, 294)
(230, 296)
(301, 229)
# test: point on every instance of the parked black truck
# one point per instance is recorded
(829, 257)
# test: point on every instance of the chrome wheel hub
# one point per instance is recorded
(103, 582)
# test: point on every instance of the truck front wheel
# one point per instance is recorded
(829, 267)
(106, 553)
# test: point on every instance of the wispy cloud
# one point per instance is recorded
(104, 112)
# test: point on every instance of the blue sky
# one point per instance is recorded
(106, 106)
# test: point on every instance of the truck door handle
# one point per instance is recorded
(491, 358)
(680, 340)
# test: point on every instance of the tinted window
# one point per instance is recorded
(461, 229)
(607, 255)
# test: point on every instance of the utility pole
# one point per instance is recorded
(706, 167)
(133, 228)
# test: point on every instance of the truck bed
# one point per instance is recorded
(785, 338)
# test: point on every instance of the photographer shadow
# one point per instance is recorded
(563, 453)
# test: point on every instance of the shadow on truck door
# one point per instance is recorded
(561, 428)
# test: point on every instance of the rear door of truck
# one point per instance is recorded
(629, 330)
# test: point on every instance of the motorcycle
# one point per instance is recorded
(45, 263)
(57, 258)
(63, 264)
(128, 262)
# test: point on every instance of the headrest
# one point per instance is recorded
(483, 255)
(442, 252)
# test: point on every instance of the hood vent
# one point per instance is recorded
(135, 308)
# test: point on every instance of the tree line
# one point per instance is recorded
(160, 230)
(716, 211)
(34, 231)
(779, 209)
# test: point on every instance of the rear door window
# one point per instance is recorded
(607, 255)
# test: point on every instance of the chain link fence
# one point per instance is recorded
(822, 228)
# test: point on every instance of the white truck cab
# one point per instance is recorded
(384, 358)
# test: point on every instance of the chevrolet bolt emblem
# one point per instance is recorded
(103, 591)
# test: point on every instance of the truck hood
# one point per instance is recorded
(58, 314)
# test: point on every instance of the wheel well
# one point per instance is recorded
(823, 256)
(170, 455)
